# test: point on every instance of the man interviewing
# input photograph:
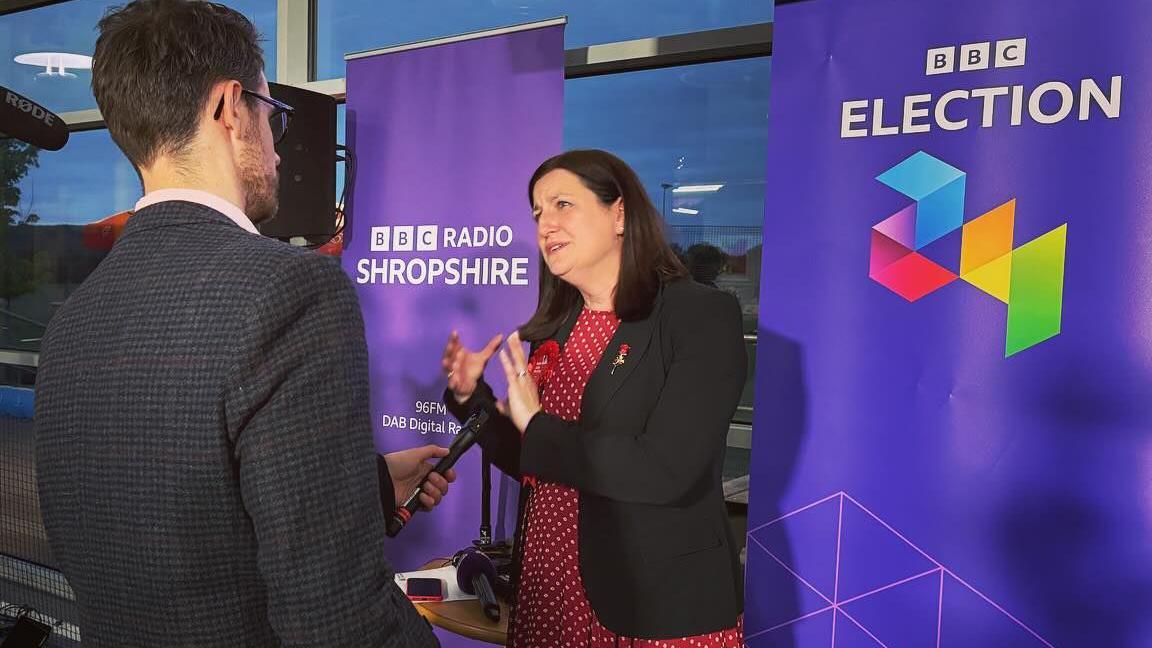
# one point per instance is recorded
(204, 445)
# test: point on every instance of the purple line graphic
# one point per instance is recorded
(940, 609)
(884, 585)
(806, 616)
(790, 571)
(836, 581)
(889, 586)
(839, 612)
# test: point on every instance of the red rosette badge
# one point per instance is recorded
(543, 362)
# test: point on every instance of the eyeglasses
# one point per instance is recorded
(277, 120)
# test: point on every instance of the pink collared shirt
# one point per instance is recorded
(211, 201)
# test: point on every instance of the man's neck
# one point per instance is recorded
(150, 187)
(166, 175)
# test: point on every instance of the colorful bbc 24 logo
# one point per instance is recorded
(1028, 278)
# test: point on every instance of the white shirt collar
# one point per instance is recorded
(209, 200)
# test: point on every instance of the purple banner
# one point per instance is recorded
(953, 435)
(446, 136)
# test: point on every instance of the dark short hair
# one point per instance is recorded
(646, 260)
(155, 62)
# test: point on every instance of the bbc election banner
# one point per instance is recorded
(441, 237)
(953, 433)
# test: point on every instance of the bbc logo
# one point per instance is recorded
(405, 238)
(977, 56)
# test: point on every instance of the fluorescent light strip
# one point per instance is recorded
(702, 188)
(685, 210)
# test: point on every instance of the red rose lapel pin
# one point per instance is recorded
(621, 355)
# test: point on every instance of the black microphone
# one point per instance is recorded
(464, 440)
(25, 120)
(475, 574)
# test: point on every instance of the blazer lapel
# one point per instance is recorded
(609, 375)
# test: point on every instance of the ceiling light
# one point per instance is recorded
(55, 64)
(700, 188)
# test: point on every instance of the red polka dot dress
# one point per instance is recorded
(551, 608)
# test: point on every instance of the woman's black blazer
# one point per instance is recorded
(657, 555)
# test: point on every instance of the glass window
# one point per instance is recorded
(345, 26)
(46, 248)
(70, 28)
(697, 136)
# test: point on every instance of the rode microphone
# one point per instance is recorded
(465, 439)
(475, 574)
(25, 120)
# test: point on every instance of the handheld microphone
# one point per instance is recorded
(464, 440)
(475, 574)
(25, 120)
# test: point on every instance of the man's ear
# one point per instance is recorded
(226, 99)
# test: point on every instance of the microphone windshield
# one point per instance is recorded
(25, 120)
(470, 565)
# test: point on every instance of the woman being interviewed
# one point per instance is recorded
(617, 425)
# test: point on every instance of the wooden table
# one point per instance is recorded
(464, 618)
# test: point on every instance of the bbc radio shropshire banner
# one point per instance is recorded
(446, 137)
(953, 425)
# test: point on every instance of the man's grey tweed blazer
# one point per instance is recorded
(204, 446)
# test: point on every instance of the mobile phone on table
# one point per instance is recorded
(425, 589)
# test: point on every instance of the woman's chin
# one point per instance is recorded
(559, 270)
